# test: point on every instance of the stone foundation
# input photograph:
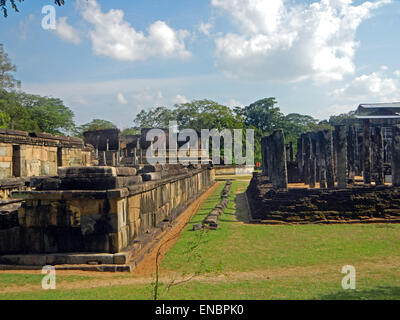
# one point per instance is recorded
(357, 204)
(233, 170)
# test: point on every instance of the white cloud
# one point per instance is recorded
(375, 86)
(397, 73)
(147, 98)
(66, 32)
(277, 40)
(121, 98)
(178, 99)
(234, 103)
(114, 37)
(205, 28)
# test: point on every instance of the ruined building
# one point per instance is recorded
(112, 148)
(333, 185)
(93, 202)
(24, 155)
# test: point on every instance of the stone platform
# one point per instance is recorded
(98, 217)
(357, 204)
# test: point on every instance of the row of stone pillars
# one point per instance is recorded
(330, 156)
(273, 152)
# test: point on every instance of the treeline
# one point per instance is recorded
(263, 116)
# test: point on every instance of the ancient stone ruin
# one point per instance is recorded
(348, 175)
(211, 221)
(100, 215)
(92, 204)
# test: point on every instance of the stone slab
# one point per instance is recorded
(151, 176)
(125, 171)
(87, 172)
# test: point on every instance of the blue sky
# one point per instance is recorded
(111, 59)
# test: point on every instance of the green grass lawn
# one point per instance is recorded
(244, 261)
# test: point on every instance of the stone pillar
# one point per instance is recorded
(334, 143)
(134, 156)
(366, 152)
(313, 172)
(277, 153)
(300, 157)
(378, 157)
(291, 154)
(328, 143)
(321, 159)
(359, 163)
(264, 155)
(307, 158)
(341, 152)
(269, 151)
(396, 156)
(351, 153)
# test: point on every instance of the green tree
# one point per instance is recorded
(344, 118)
(50, 114)
(130, 132)
(96, 124)
(295, 124)
(4, 120)
(206, 114)
(7, 80)
(262, 114)
(158, 117)
(22, 111)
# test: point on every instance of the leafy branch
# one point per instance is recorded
(3, 5)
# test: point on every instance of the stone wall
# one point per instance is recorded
(24, 154)
(6, 153)
(233, 170)
(300, 205)
(7, 186)
(38, 160)
(106, 220)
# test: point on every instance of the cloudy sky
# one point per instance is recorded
(111, 59)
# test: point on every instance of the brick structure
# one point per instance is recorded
(24, 154)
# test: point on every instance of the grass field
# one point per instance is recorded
(244, 261)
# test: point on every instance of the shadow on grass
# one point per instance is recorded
(378, 293)
(241, 208)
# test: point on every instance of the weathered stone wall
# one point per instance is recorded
(6, 152)
(24, 154)
(7, 186)
(38, 160)
(105, 221)
(350, 205)
(233, 170)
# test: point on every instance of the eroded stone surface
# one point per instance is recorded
(360, 203)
